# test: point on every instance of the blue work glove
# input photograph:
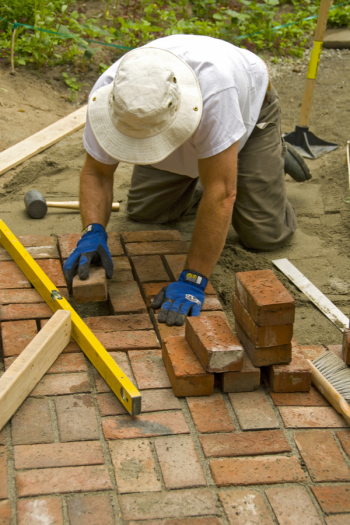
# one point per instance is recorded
(177, 300)
(91, 248)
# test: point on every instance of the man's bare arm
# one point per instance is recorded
(218, 175)
(96, 191)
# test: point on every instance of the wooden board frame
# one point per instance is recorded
(29, 367)
(123, 388)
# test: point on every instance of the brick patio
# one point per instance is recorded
(72, 455)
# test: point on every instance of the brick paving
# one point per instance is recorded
(71, 455)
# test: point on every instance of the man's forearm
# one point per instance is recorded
(96, 195)
(210, 231)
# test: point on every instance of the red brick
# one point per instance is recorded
(333, 498)
(256, 471)
(272, 355)
(186, 374)
(306, 399)
(60, 384)
(174, 504)
(336, 349)
(151, 235)
(339, 519)
(129, 340)
(126, 427)
(2, 436)
(92, 289)
(14, 312)
(294, 377)
(180, 521)
(344, 438)
(58, 455)
(152, 401)
(134, 465)
(150, 290)
(253, 410)
(25, 296)
(149, 369)
(210, 414)
(40, 510)
(32, 423)
(245, 444)
(62, 480)
(322, 456)
(213, 342)
(211, 303)
(121, 270)
(64, 364)
(5, 512)
(38, 246)
(245, 507)
(166, 331)
(3, 473)
(122, 361)
(76, 418)
(16, 336)
(175, 264)
(90, 509)
(149, 268)
(156, 248)
(265, 298)
(312, 351)
(261, 336)
(311, 417)
(292, 506)
(125, 298)
(12, 277)
(179, 462)
(114, 244)
(245, 380)
(53, 269)
(37, 240)
(68, 241)
(346, 346)
(115, 323)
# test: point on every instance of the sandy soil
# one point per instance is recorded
(319, 248)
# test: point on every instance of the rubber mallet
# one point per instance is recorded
(36, 204)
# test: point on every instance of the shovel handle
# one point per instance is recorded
(313, 63)
(74, 205)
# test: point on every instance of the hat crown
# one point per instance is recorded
(145, 96)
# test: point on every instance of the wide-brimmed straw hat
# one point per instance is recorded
(152, 107)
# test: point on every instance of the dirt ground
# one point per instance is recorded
(319, 248)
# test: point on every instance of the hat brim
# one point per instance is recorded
(153, 149)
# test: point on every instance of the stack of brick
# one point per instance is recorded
(264, 316)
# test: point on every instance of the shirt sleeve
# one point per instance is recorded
(221, 124)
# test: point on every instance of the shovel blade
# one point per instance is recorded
(307, 144)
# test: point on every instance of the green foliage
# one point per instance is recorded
(340, 16)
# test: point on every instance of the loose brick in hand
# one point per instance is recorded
(148, 425)
(186, 374)
(134, 466)
(89, 510)
(76, 418)
(32, 423)
(263, 356)
(3, 473)
(293, 505)
(16, 336)
(256, 471)
(125, 298)
(62, 480)
(312, 417)
(346, 347)
(179, 462)
(245, 380)
(294, 377)
(253, 410)
(213, 342)
(156, 248)
(149, 268)
(58, 455)
(261, 336)
(12, 277)
(152, 401)
(265, 298)
(149, 369)
(116, 323)
(245, 444)
(34, 511)
(92, 289)
(322, 456)
(245, 507)
(210, 414)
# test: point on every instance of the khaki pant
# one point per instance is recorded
(262, 216)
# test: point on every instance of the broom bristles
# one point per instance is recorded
(336, 372)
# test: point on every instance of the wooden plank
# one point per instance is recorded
(27, 148)
(30, 366)
(123, 388)
(314, 294)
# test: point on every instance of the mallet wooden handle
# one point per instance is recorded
(313, 63)
(74, 205)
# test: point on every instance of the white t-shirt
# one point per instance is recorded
(233, 82)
